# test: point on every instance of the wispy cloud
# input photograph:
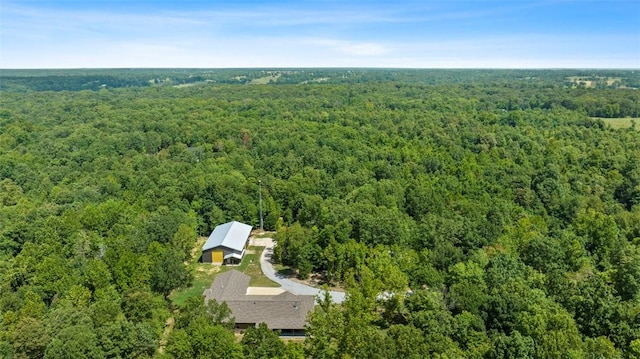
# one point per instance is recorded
(348, 14)
(405, 33)
(30, 19)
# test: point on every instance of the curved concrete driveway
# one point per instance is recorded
(287, 284)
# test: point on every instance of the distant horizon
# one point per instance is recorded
(326, 67)
(408, 34)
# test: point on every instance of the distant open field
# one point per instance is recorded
(265, 80)
(591, 81)
(622, 122)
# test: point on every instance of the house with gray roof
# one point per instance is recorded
(227, 243)
(284, 311)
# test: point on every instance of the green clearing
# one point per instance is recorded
(265, 80)
(591, 81)
(617, 123)
(205, 273)
(203, 276)
(252, 268)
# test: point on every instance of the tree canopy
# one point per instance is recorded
(467, 213)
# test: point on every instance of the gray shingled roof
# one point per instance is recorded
(229, 285)
(282, 311)
(232, 235)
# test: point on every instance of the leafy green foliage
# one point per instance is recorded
(74, 342)
(201, 339)
(261, 343)
(169, 272)
(484, 212)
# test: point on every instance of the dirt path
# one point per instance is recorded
(168, 325)
(195, 251)
(168, 328)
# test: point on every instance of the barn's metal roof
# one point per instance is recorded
(232, 235)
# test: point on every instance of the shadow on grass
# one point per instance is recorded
(286, 272)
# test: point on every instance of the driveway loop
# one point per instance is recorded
(288, 284)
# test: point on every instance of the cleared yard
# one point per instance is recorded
(205, 273)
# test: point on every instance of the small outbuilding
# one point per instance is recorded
(227, 243)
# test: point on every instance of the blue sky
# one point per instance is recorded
(327, 33)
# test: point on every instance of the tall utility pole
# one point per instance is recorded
(260, 194)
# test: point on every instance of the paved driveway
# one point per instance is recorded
(287, 284)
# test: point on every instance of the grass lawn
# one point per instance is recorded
(205, 273)
(284, 270)
(253, 270)
(203, 276)
(621, 122)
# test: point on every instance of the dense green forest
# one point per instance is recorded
(471, 213)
